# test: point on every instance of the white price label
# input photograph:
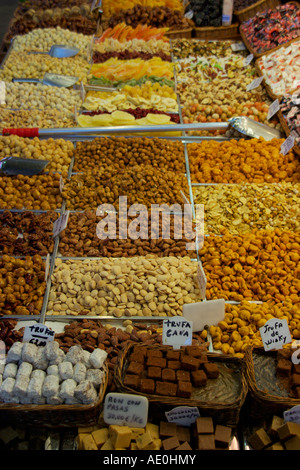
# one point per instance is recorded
(248, 60)
(287, 145)
(38, 334)
(177, 332)
(254, 84)
(125, 410)
(293, 414)
(60, 224)
(2, 92)
(275, 334)
(183, 415)
(273, 109)
(238, 46)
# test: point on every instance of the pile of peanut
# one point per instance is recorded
(124, 152)
(80, 238)
(50, 118)
(137, 286)
(241, 208)
(242, 161)
(261, 265)
(29, 96)
(141, 184)
(38, 192)
(58, 152)
(22, 283)
(241, 324)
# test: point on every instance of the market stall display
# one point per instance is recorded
(106, 284)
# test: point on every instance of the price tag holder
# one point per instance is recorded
(254, 84)
(183, 415)
(82, 91)
(125, 410)
(248, 60)
(177, 332)
(61, 184)
(275, 334)
(2, 92)
(293, 414)
(238, 46)
(60, 224)
(47, 267)
(273, 109)
(38, 334)
(287, 145)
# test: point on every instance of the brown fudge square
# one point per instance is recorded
(166, 389)
(295, 380)
(167, 429)
(168, 375)
(184, 389)
(259, 439)
(194, 351)
(173, 355)
(199, 378)
(222, 435)
(288, 430)
(183, 375)
(135, 368)
(189, 363)
(212, 370)
(147, 386)
(204, 425)
(157, 362)
(293, 443)
(283, 354)
(137, 357)
(183, 434)
(170, 443)
(284, 367)
(154, 373)
(154, 353)
(206, 442)
(203, 360)
(276, 423)
(140, 349)
(175, 365)
(184, 446)
(132, 381)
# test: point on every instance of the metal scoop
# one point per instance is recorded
(255, 129)
(11, 166)
(59, 51)
(51, 79)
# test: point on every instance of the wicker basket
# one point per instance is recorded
(226, 412)
(263, 405)
(55, 416)
(249, 12)
(250, 48)
(177, 34)
(220, 32)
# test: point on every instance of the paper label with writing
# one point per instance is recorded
(248, 60)
(2, 92)
(177, 332)
(38, 334)
(126, 410)
(293, 414)
(273, 109)
(60, 224)
(287, 145)
(238, 46)
(183, 415)
(254, 84)
(275, 334)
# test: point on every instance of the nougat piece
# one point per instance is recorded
(170, 443)
(204, 425)
(206, 442)
(167, 429)
(259, 439)
(120, 436)
(222, 435)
